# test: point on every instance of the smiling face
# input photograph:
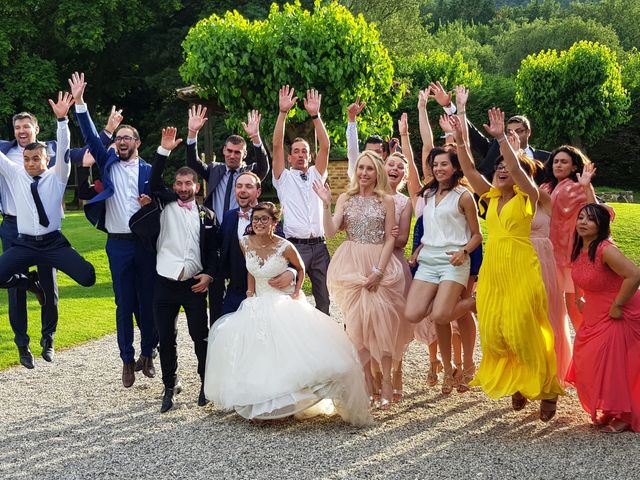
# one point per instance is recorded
(395, 168)
(35, 161)
(262, 223)
(234, 154)
(247, 191)
(563, 166)
(502, 178)
(25, 131)
(127, 143)
(185, 187)
(366, 172)
(442, 168)
(586, 225)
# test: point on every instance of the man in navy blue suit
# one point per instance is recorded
(125, 177)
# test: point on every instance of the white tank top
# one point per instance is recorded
(445, 225)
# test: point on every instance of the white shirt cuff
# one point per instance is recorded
(191, 141)
(451, 109)
(164, 151)
(81, 108)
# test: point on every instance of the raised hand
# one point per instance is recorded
(287, 99)
(514, 141)
(323, 191)
(197, 119)
(440, 94)
(77, 84)
(61, 108)
(169, 140)
(354, 109)
(115, 119)
(403, 125)
(457, 129)
(496, 123)
(252, 127)
(462, 94)
(588, 172)
(312, 102)
(445, 123)
(423, 98)
(144, 199)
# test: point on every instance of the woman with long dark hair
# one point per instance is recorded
(606, 353)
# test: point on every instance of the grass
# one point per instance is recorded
(89, 313)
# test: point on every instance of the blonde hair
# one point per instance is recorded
(406, 170)
(382, 182)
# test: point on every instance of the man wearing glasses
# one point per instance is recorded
(126, 178)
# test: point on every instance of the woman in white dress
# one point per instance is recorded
(277, 355)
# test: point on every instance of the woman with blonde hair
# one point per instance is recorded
(364, 277)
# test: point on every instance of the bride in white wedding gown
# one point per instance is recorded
(277, 355)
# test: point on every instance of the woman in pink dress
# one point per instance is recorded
(606, 353)
(364, 277)
(570, 172)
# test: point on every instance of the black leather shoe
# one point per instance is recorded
(47, 349)
(35, 287)
(170, 397)
(128, 374)
(148, 368)
(202, 400)
(26, 357)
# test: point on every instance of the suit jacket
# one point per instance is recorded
(489, 151)
(232, 261)
(146, 223)
(95, 209)
(213, 172)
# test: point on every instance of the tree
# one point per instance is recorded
(242, 64)
(574, 96)
(621, 15)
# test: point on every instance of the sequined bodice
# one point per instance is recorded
(266, 268)
(364, 219)
(595, 276)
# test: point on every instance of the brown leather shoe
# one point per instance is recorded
(139, 364)
(128, 374)
(148, 369)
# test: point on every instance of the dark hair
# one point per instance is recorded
(520, 119)
(136, 135)
(269, 207)
(602, 218)
(37, 146)
(24, 115)
(184, 171)
(457, 177)
(236, 140)
(251, 174)
(578, 158)
(529, 166)
(377, 140)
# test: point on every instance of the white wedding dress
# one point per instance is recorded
(277, 356)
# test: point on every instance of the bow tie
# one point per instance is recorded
(303, 176)
(187, 205)
(245, 215)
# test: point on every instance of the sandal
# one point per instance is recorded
(387, 393)
(397, 385)
(465, 378)
(432, 376)
(615, 426)
(518, 401)
(602, 420)
(457, 374)
(548, 409)
(448, 383)
(377, 386)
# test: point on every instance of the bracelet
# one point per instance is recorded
(502, 139)
(377, 271)
(313, 117)
(250, 293)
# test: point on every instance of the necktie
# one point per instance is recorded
(186, 205)
(303, 176)
(42, 215)
(227, 193)
(245, 215)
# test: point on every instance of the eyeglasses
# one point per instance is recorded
(263, 220)
(125, 138)
(502, 168)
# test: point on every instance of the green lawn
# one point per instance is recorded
(89, 313)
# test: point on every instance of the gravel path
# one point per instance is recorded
(73, 419)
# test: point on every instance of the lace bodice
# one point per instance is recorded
(595, 276)
(400, 201)
(266, 268)
(364, 219)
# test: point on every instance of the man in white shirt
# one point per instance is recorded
(186, 262)
(37, 192)
(301, 206)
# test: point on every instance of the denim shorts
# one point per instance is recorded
(434, 266)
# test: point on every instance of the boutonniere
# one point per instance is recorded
(202, 214)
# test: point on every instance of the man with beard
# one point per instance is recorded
(232, 262)
(186, 261)
(125, 177)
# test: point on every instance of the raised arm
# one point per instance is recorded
(426, 134)
(252, 129)
(312, 106)
(62, 168)
(167, 143)
(479, 184)
(413, 181)
(286, 101)
(496, 129)
(353, 149)
(331, 223)
(197, 119)
(584, 179)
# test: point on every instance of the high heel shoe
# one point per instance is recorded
(447, 383)
(465, 378)
(387, 394)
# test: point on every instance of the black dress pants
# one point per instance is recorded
(169, 296)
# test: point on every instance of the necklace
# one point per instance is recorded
(266, 244)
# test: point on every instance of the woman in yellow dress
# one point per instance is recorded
(516, 338)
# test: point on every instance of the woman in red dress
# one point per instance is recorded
(606, 353)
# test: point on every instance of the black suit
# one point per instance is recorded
(169, 294)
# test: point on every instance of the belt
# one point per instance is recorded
(123, 236)
(39, 238)
(307, 241)
(9, 217)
